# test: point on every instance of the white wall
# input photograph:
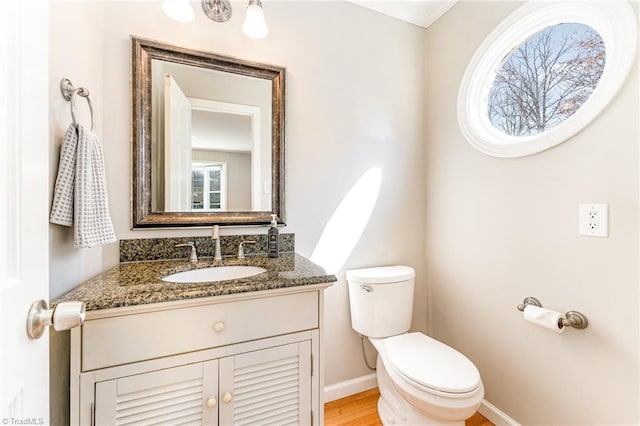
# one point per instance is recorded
(221, 131)
(354, 101)
(499, 230)
(74, 57)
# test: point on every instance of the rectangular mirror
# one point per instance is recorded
(208, 138)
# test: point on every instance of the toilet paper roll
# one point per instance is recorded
(544, 317)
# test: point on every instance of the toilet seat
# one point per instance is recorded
(430, 365)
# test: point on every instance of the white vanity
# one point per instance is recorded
(245, 358)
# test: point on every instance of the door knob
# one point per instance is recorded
(227, 397)
(66, 315)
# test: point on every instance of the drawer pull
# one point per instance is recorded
(227, 397)
(219, 326)
(212, 402)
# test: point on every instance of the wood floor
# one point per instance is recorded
(361, 410)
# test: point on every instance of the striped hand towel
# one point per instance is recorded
(80, 194)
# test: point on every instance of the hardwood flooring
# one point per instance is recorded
(361, 410)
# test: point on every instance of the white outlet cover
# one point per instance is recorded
(594, 220)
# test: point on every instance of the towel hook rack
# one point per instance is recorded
(69, 92)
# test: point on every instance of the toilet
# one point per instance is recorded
(421, 380)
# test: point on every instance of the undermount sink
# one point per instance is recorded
(216, 273)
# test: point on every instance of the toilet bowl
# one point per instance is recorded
(440, 385)
(421, 380)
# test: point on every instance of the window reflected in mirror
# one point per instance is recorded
(209, 187)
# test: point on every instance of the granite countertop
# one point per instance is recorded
(140, 283)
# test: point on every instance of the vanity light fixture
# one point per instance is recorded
(254, 25)
(217, 10)
(179, 10)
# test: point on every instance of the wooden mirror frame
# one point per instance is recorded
(143, 51)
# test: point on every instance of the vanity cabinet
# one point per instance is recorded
(173, 395)
(265, 386)
(244, 359)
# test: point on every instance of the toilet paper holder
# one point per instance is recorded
(573, 319)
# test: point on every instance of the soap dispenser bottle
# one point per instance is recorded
(273, 238)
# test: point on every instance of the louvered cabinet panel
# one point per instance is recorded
(256, 370)
(175, 396)
(267, 387)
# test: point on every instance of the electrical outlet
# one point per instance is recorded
(594, 220)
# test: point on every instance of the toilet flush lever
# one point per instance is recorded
(367, 288)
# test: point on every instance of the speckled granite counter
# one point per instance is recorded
(140, 283)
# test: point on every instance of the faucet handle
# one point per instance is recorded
(241, 248)
(193, 257)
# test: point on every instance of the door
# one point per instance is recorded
(269, 386)
(24, 206)
(185, 395)
(177, 121)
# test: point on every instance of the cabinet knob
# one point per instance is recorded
(212, 402)
(227, 397)
(219, 326)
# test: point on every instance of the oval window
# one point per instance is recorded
(543, 74)
(546, 79)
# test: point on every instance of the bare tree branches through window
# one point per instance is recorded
(546, 79)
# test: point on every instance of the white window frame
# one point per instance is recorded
(206, 190)
(615, 21)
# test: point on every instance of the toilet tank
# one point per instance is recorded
(381, 300)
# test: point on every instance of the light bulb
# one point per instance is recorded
(254, 24)
(179, 10)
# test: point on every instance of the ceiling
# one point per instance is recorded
(418, 12)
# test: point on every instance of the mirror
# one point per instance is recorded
(208, 138)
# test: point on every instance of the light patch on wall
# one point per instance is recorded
(377, 130)
(375, 119)
(346, 225)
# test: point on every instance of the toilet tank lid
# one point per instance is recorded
(381, 274)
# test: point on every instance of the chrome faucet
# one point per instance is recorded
(215, 235)
(193, 257)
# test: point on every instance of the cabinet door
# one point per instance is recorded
(269, 386)
(185, 395)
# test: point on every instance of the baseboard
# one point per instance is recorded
(495, 415)
(350, 387)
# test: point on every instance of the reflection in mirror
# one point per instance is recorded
(216, 118)
(208, 138)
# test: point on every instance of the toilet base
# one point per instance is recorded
(393, 409)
